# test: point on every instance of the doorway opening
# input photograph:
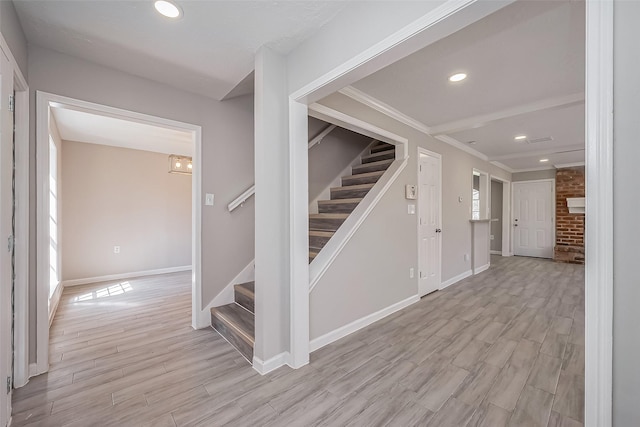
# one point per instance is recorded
(429, 221)
(109, 206)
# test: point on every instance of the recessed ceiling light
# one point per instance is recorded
(544, 160)
(167, 8)
(458, 77)
(520, 137)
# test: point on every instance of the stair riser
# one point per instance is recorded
(349, 193)
(317, 243)
(379, 148)
(369, 168)
(355, 180)
(229, 334)
(386, 156)
(245, 301)
(325, 224)
(337, 208)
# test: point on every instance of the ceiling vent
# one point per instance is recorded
(537, 140)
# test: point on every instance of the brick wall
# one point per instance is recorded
(569, 227)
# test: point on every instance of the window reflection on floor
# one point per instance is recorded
(117, 289)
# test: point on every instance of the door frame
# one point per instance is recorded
(439, 157)
(21, 368)
(506, 213)
(46, 100)
(553, 212)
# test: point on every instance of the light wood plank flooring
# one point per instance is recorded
(505, 347)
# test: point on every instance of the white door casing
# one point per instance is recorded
(429, 222)
(6, 238)
(533, 218)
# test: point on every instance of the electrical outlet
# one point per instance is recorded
(466, 257)
(116, 249)
(411, 273)
(491, 237)
(208, 199)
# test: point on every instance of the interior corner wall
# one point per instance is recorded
(626, 205)
(227, 153)
(116, 196)
(12, 32)
(329, 158)
(372, 271)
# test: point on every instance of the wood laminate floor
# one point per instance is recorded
(503, 348)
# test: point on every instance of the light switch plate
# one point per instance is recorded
(208, 200)
(411, 209)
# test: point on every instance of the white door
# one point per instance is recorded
(6, 209)
(533, 211)
(429, 233)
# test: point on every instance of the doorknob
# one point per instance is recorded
(515, 225)
(438, 230)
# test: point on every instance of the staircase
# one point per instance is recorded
(332, 213)
(236, 322)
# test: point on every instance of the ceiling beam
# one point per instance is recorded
(548, 151)
(484, 119)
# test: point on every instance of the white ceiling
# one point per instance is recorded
(80, 126)
(525, 66)
(208, 51)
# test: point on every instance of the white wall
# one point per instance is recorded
(13, 34)
(372, 272)
(626, 205)
(227, 152)
(117, 196)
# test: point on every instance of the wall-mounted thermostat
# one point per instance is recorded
(411, 192)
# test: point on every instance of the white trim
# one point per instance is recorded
(492, 252)
(569, 165)
(120, 276)
(44, 101)
(439, 157)
(363, 322)
(387, 110)
(536, 153)
(456, 279)
(599, 215)
(482, 268)
(461, 146)
(502, 166)
(54, 302)
(263, 367)
(541, 168)
(484, 119)
(21, 307)
(33, 369)
(506, 214)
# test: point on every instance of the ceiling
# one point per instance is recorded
(208, 51)
(80, 126)
(525, 66)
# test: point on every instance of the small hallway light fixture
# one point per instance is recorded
(168, 8)
(180, 164)
(457, 77)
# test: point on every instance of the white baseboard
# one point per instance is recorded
(264, 367)
(226, 295)
(495, 252)
(110, 277)
(356, 325)
(456, 279)
(55, 300)
(481, 268)
(33, 369)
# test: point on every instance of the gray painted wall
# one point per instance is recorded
(533, 175)
(626, 205)
(372, 272)
(496, 213)
(332, 156)
(13, 34)
(117, 196)
(227, 151)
